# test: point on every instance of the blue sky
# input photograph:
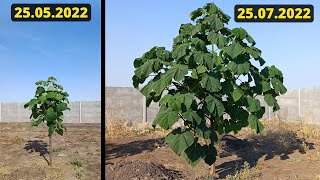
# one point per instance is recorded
(133, 27)
(32, 51)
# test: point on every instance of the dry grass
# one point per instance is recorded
(244, 173)
(116, 128)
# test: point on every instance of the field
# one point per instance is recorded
(24, 152)
(283, 151)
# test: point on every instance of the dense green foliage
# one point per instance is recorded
(48, 105)
(208, 80)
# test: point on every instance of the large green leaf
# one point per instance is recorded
(62, 107)
(205, 59)
(185, 98)
(177, 71)
(180, 51)
(210, 154)
(254, 104)
(270, 100)
(193, 154)
(145, 69)
(214, 105)
(179, 141)
(233, 50)
(239, 68)
(40, 90)
(239, 33)
(195, 14)
(50, 115)
(166, 118)
(217, 39)
(255, 123)
(278, 86)
(215, 23)
(192, 116)
(211, 83)
(237, 93)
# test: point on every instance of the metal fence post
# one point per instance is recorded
(80, 114)
(144, 104)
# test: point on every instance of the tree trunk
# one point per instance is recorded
(213, 170)
(50, 150)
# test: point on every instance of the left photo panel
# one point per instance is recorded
(50, 93)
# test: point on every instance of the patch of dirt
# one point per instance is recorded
(274, 154)
(140, 170)
(24, 152)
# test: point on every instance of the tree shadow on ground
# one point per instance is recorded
(37, 146)
(132, 148)
(270, 144)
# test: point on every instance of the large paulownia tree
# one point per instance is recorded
(210, 79)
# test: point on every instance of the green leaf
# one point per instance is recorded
(185, 98)
(250, 40)
(211, 83)
(205, 59)
(62, 107)
(214, 105)
(265, 86)
(217, 39)
(40, 90)
(278, 86)
(51, 95)
(60, 132)
(237, 93)
(52, 128)
(233, 50)
(180, 51)
(199, 44)
(179, 141)
(58, 97)
(195, 14)
(253, 52)
(178, 71)
(165, 99)
(50, 115)
(239, 33)
(270, 100)
(255, 123)
(201, 69)
(192, 116)
(210, 154)
(42, 98)
(254, 104)
(166, 118)
(238, 69)
(193, 154)
(215, 23)
(145, 69)
(51, 88)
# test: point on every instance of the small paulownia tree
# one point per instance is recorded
(47, 106)
(209, 81)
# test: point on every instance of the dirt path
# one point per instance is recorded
(24, 152)
(270, 156)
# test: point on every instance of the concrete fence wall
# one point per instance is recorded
(81, 112)
(127, 103)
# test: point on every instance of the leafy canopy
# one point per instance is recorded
(208, 80)
(48, 105)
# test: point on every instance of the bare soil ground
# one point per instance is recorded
(282, 151)
(24, 152)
